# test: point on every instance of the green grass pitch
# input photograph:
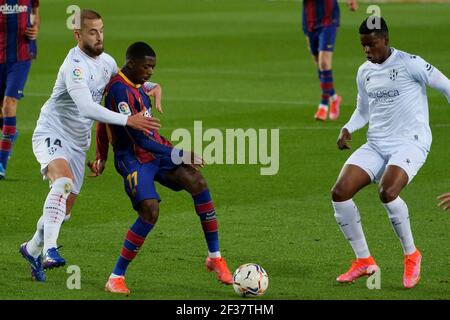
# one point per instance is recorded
(234, 64)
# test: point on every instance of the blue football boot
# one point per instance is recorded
(52, 259)
(2, 172)
(37, 270)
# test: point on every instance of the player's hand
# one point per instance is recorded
(32, 32)
(97, 167)
(445, 201)
(156, 93)
(352, 5)
(154, 90)
(191, 159)
(140, 121)
(343, 139)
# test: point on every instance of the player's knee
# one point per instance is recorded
(149, 211)
(198, 184)
(63, 186)
(324, 65)
(340, 193)
(387, 194)
(9, 107)
(324, 62)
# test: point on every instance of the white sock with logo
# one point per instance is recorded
(398, 215)
(349, 221)
(55, 210)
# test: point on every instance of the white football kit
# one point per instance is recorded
(64, 126)
(392, 99)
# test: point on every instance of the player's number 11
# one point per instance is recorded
(132, 180)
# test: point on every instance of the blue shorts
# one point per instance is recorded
(12, 78)
(139, 179)
(322, 39)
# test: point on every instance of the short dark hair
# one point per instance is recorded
(374, 24)
(139, 50)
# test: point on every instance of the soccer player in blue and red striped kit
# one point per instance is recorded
(320, 24)
(143, 158)
(19, 27)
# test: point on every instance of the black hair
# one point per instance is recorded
(139, 50)
(374, 24)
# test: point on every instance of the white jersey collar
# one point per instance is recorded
(387, 61)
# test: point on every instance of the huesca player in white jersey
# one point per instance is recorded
(392, 99)
(63, 135)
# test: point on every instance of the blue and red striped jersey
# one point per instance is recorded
(123, 96)
(15, 17)
(319, 13)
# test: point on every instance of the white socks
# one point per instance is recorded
(349, 221)
(35, 245)
(55, 210)
(398, 214)
(214, 255)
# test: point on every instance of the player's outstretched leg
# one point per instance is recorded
(192, 181)
(349, 221)
(350, 181)
(207, 214)
(54, 215)
(148, 215)
(392, 182)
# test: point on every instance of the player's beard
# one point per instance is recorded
(94, 51)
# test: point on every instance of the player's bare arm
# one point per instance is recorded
(445, 201)
(32, 32)
(154, 90)
(343, 139)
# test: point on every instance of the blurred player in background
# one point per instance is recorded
(392, 99)
(320, 25)
(141, 159)
(19, 27)
(63, 135)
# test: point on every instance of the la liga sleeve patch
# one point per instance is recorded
(124, 108)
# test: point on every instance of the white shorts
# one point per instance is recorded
(374, 158)
(49, 145)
